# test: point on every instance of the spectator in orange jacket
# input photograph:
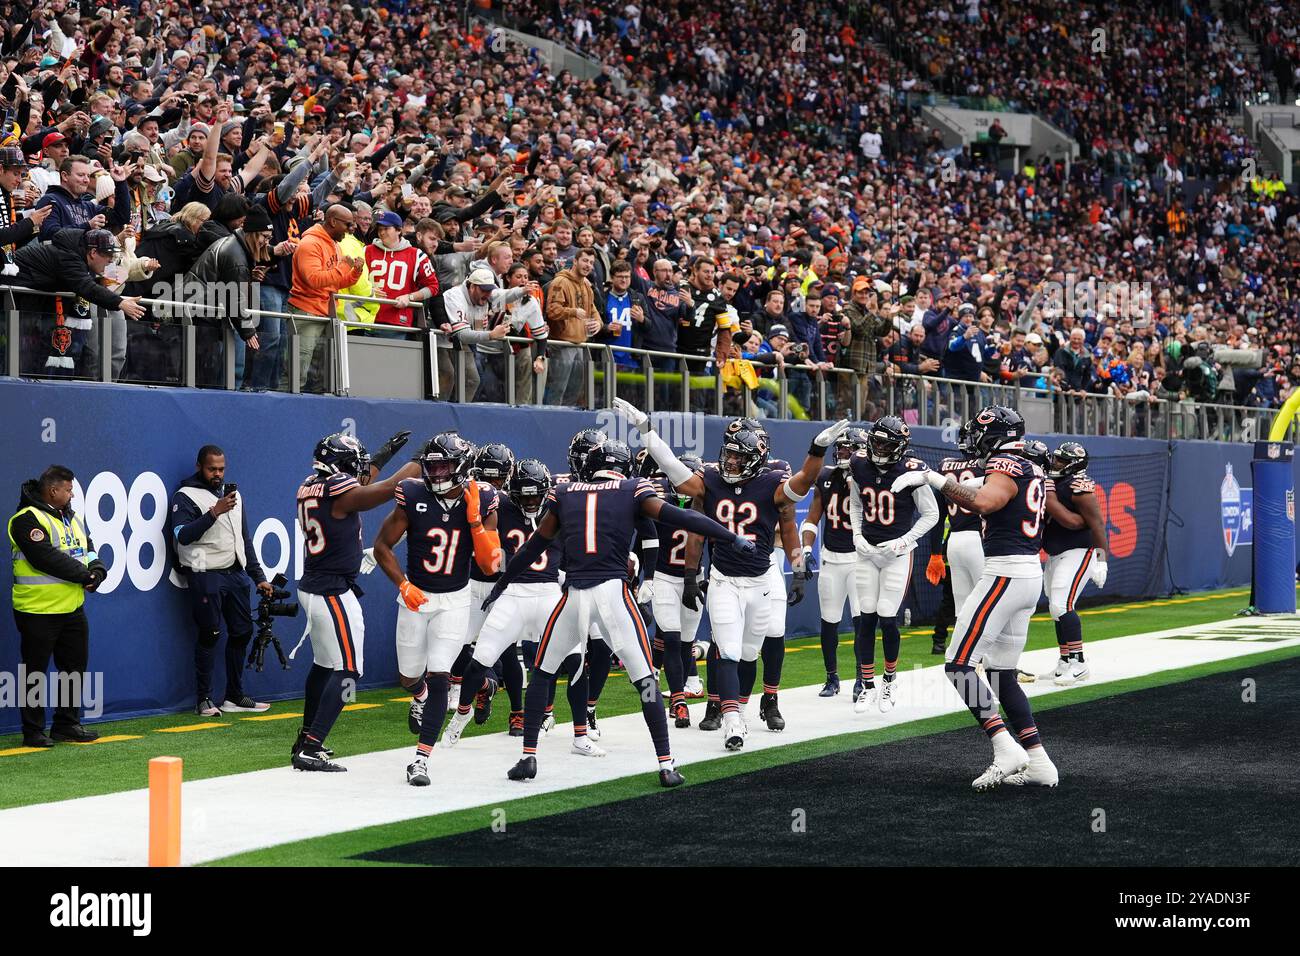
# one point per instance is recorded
(318, 272)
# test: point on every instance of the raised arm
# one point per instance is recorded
(797, 486)
(365, 497)
(682, 478)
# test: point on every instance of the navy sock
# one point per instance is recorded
(746, 674)
(512, 674)
(474, 674)
(317, 678)
(652, 708)
(673, 665)
(462, 661)
(831, 646)
(431, 721)
(864, 647)
(728, 684)
(577, 693)
(689, 666)
(712, 687)
(540, 689)
(530, 655)
(773, 660)
(657, 650)
(1020, 716)
(599, 659)
(337, 686)
(977, 695)
(892, 642)
(1069, 635)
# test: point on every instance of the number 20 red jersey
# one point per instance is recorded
(395, 272)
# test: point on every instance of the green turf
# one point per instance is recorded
(242, 745)
(342, 848)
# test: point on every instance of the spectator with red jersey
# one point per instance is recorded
(400, 271)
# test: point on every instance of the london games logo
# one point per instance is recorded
(1236, 510)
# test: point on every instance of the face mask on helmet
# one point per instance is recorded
(530, 504)
(441, 475)
(885, 449)
(741, 457)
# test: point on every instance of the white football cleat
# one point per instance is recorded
(1041, 772)
(417, 772)
(1062, 667)
(1076, 673)
(865, 699)
(548, 722)
(886, 698)
(734, 731)
(455, 727)
(584, 747)
(1008, 758)
(694, 687)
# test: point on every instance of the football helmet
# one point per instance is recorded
(611, 456)
(695, 463)
(964, 442)
(744, 425)
(742, 456)
(446, 462)
(647, 467)
(493, 464)
(581, 446)
(528, 485)
(996, 427)
(340, 454)
(847, 445)
(1037, 452)
(1069, 459)
(888, 441)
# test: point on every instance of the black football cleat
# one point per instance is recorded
(483, 701)
(938, 646)
(316, 760)
(671, 778)
(301, 742)
(712, 716)
(769, 712)
(516, 723)
(681, 716)
(831, 687)
(526, 769)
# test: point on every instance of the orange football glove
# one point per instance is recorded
(412, 595)
(472, 503)
(934, 569)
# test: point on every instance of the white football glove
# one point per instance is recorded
(633, 414)
(864, 547)
(897, 547)
(936, 480)
(646, 592)
(910, 479)
(826, 437)
(368, 562)
(1099, 568)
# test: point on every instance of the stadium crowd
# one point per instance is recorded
(766, 174)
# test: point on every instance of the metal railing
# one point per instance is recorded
(672, 381)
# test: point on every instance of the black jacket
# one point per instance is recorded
(13, 233)
(60, 266)
(43, 553)
(175, 248)
(228, 261)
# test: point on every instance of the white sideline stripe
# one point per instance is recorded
(249, 811)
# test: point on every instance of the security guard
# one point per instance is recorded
(215, 553)
(54, 566)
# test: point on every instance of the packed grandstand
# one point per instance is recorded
(768, 174)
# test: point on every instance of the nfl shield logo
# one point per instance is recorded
(1273, 451)
(1230, 511)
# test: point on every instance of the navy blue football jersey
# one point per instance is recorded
(598, 523)
(748, 509)
(959, 518)
(1057, 539)
(1017, 528)
(832, 490)
(515, 530)
(885, 515)
(332, 546)
(439, 544)
(672, 541)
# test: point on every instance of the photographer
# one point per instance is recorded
(214, 551)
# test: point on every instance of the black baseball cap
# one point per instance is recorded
(101, 241)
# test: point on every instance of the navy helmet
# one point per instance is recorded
(609, 457)
(580, 447)
(742, 456)
(1070, 458)
(493, 463)
(446, 462)
(996, 427)
(528, 486)
(341, 454)
(888, 441)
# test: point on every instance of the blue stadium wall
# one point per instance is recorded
(130, 447)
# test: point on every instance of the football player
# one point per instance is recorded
(675, 624)
(1076, 545)
(886, 526)
(450, 521)
(994, 622)
(597, 518)
(330, 503)
(836, 581)
(963, 546)
(746, 498)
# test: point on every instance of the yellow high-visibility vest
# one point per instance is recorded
(36, 592)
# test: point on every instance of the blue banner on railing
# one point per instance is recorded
(1172, 515)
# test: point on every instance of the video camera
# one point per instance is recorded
(269, 608)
